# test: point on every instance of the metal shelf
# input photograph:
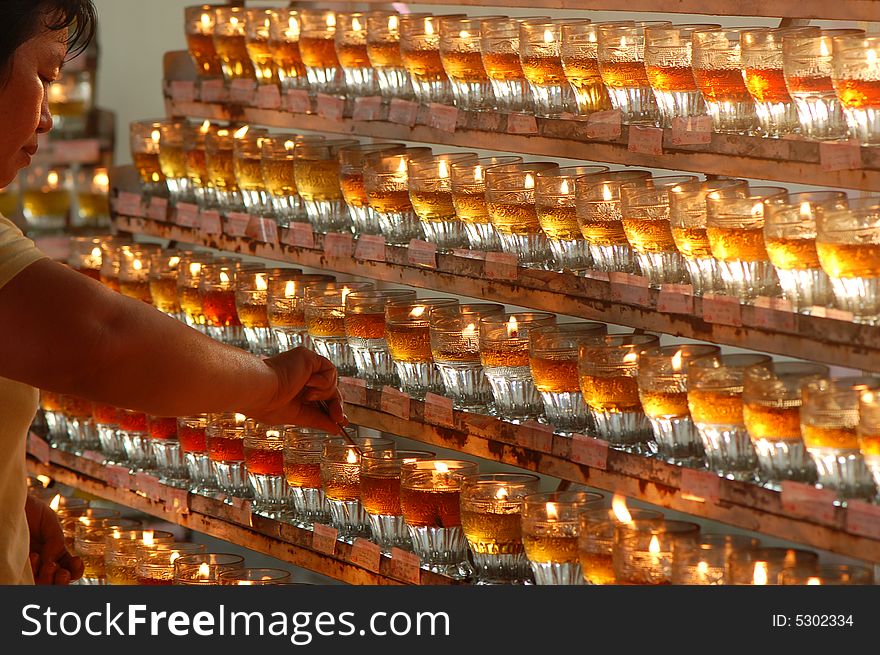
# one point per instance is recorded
(233, 523)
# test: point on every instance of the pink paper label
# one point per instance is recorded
(268, 97)
(604, 125)
(422, 253)
(700, 484)
(438, 410)
(262, 229)
(77, 151)
(148, 485)
(324, 539)
(395, 402)
(187, 215)
(405, 566)
(691, 131)
(676, 299)
(468, 254)
(442, 117)
(299, 235)
(774, 314)
(536, 436)
(118, 476)
(489, 121)
(39, 448)
(236, 224)
(93, 456)
(840, 156)
(177, 500)
(129, 204)
(645, 140)
(522, 124)
(807, 501)
(630, 289)
(157, 210)
(213, 91)
(297, 101)
(589, 451)
(722, 310)
(863, 518)
(183, 91)
(331, 107)
(338, 245)
(209, 222)
(243, 92)
(403, 112)
(366, 554)
(501, 266)
(601, 276)
(353, 390)
(830, 312)
(370, 247)
(242, 512)
(368, 108)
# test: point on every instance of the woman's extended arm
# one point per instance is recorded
(62, 331)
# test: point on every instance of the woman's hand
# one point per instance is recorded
(305, 379)
(50, 561)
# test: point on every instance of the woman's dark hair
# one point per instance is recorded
(23, 19)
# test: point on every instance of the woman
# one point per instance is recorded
(62, 331)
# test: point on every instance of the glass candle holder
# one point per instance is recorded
(285, 306)
(192, 434)
(277, 168)
(189, 274)
(597, 202)
(643, 551)
(351, 179)
(771, 412)
(499, 50)
(717, 64)
(580, 61)
(317, 47)
(383, 51)
(220, 166)
(303, 449)
(829, 418)
(258, 24)
(468, 180)
(135, 433)
(167, 452)
(247, 153)
(707, 561)
(806, 64)
(251, 300)
(340, 474)
(386, 183)
(225, 436)
(231, 45)
(316, 172)
(155, 564)
(430, 192)
(92, 196)
(668, 58)
(217, 293)
(504, 353)
(45, 198)
(134, 271)
(553, 359)
(491, 518)
(264, 459)
(110, 264)
(455, 347)
(735, 227)
(510, 199)
(351, 49)
(868, 431)
(71, 102)
(644, 213)
(284, 32)
(420, 51)
(106, 419)
(163, 281)
(408, 335)
(172, 161)
(145, 138)
(607, 370)
(90, 544)
(194, 138)
(200, 21)
(715, 389)
(596, 538)
(848, 244)
(380, 495)
(325, 321)
(622, 65)
(663, 392)
(56, 421)
(790, 239)
(71, 517)
(763, 71)
(840, 574)
(85, 256)
(365, 331)
(205, 568)
(550, 527)
(855, 73)
(121, 552)
(460, 55)
(247, 577)
(555, 203)
(541, 59)
(687, 216)
(430, 496)
(81, 431)
(765, 566)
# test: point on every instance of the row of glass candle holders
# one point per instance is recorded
(445, 509)
(50, 198)
(820, 248)
(739, 414)
(816, 82)
(119, 551)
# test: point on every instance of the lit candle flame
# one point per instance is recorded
(261, 282)
(155, 177)
(871, 56)
(429, 26)
(85, 520)
(155, 136)
(222, 133)
(206, 126)
(478, 173)
(116, 534)
(204, 571)
(224, 277)
(806, 211)
(464, 34)
(290, 289)
(393, 23)
(289, 145)
(148, 538)
(56, 503)
(240, 418)
(292, 27)
(760, 575)
(563, 188)
(552, 511)
(173, 261)
(356, 24)
(867, 397)
(758, 210)
(607, 196)
(401, 168)
(824, 50)
(630, 358)
(195, 268)
(703, 568)
(621, 511)
(331, 19)
(623, 43)
(469, 330)
(814, 581)
(52, 179)
(654, 546)
(45, 480)
(101, 180)
(96, 252)
(549, 37)
(512, 328)
(676, 361)
(443, 169)
(345, 292)
(417, 311)
(352, 456)
(273, 434)
(137, 264)
(502, 493)
(529, 181)
(241, 132)
(441, 467)
(245, 583)
(206, 23)
(174, 556)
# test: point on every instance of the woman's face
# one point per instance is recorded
(24, 104)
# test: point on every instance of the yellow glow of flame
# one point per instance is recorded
(552, 511)
(85, 520)
(261, 282)
(45, 480)
(478, 173)
(331, 19)
(806, 211)
(56, 503)
(155, 177)
(502, 493)
(52, 179)
(654, 546)
(871, 56)
(101, 180)
(96, 252)
(155, 136)
(173, 261)
(174, 556)
(623, 43)
(401, 168)
(240, 418)
(867, 397)
(824, 50)
(224, 277)
(356, 24)
(512, 327)
(760, 575)
(703, 568)
(137, 264)
(245, 583)
(549, 37)
(148, 538)
(563, 188)
(292, 28)
(289, 145)
(222, 133)
(676, 361)
(814, 581)
(204, 571)
(630, 358)
(417, 311)
(429, 26)
(272, 434)
(290, 289)
(621, 511)
(116, 534)
(345, 292)
(469, 330)
(443, 169)
(195, 268)
(607, 196)
(529, 181)
(393, 23)
(758, 209)
(205, 127)
(441, 467)
(241, 132)
(351, 457)
(464, 34)
(206, 23)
